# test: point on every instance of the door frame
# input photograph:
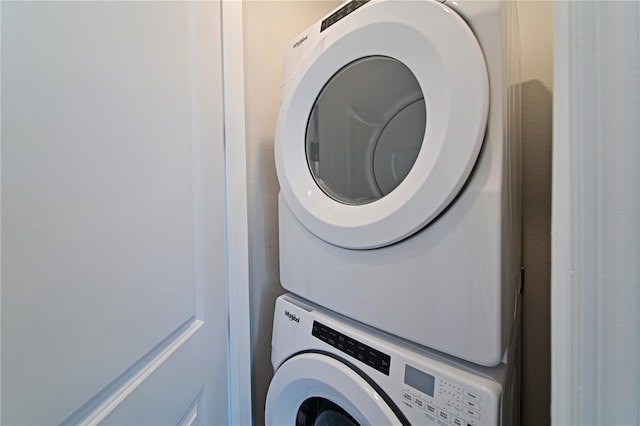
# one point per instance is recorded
(595, 207)
(237, 234)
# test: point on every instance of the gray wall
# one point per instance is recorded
(536, 31)
(268, 26)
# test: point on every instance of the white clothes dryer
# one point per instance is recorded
(330, 370)
(397, 152)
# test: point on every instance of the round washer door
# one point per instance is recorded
(310, 377)
(381, 124)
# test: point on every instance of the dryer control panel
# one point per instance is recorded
(341, 13)
(443, 401)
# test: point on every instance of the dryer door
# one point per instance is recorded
(317, 389)
(382, 122)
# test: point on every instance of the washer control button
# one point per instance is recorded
(471, 413)
(407, 396)
(472, 396)
(472, 404)
(444, 415)
(419, 403)
(431, 408)
(458, 421)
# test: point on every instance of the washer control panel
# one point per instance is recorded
(444, 401)
(352, 347)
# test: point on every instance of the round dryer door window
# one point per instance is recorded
(365, 130)
(381, 121)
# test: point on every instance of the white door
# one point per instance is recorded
(381, 122)
(113, 273)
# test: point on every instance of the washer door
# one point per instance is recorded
(314, 388)
(381, 124)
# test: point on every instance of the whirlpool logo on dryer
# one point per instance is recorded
(292, 317)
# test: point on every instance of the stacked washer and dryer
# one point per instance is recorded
(398, 155)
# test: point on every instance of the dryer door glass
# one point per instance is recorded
(365, 130)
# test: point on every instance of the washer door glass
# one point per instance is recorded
(322, 412)
(365, 130)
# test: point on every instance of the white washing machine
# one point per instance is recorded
(398, 152)
(330, 370)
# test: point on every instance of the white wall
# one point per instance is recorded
(268, 26)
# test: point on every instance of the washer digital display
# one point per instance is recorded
(419, 380)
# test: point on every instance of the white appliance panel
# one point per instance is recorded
(426, 387)
(452, 76)
(453, 284)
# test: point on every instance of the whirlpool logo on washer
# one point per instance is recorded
(292, 317)
(299, 42)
